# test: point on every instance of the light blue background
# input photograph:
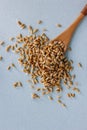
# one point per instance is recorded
(17, 110)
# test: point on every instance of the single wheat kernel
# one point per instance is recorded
(35, 81)
(43, 93)
(58, 25)
(73, 94)
(64, 105)
(15, 84)
(16, 45)
(39, 21)
(20, 84)
(43, 89)
(59, 96)
(19, 22)
(69, 95)
(11, 38)
(73, 77)
(2, 42)
(58, 89)
(71, 61)
(13, 65)
(50, 97)
(9, 67)
(13, 48)
(1, 58)
(44, 30)
(23, 26)
(34, 96)
(38, 89)
(30, 28)
(68, 86)
(35, 30)
(76, 89)
(19, 36)
(8, 48)
(79, 65)
(59, 101)
(47, 92)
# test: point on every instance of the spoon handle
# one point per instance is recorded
(84, 10)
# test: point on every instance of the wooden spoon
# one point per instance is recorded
(66, 36)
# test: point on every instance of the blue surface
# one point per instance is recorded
(17, 110)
